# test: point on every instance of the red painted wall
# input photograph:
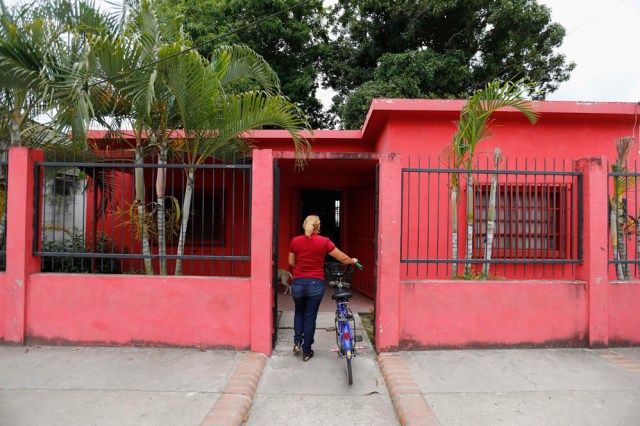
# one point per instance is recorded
(138, 310)
(581, 310)
(2, 302)
(130, 309)
(463, 314)
(495, 313)
(624, 317)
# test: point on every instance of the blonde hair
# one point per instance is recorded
(311, 224)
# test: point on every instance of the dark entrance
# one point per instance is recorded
(274, 251)
(326, 205)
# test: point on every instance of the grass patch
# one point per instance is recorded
(367, 319)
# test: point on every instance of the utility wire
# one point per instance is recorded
(86, 86)
(584, 24)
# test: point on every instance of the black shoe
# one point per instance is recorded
(308, 356)
(296, 348)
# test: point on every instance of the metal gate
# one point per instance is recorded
(274, 249)
(375, 255)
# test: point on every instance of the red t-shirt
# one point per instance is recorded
(310, 252)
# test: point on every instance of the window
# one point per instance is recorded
(206, 218)
(205, 223)
(530, 221)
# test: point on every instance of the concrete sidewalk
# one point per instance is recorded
(520, 387)
(159, 386)
(292, 392)
(58, 386)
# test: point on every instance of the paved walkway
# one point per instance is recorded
(158, 386)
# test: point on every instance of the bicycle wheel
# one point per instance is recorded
(349, 372)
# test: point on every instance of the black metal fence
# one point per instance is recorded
(4, 187)
(107, 214)
(624, 217)
(523, 219)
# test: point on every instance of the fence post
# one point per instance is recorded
(20, 261)
(594, 267)
(261, 243)
(387, 332)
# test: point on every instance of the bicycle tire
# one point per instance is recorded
(349, 372)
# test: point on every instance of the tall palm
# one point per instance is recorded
(474, 126)
(619, 215)
(491, 213)
(167, 86)
(44, 71)
(216, 116)
(129, 60)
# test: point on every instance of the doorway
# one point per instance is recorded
(326, 205)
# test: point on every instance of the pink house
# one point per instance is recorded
(385, 192)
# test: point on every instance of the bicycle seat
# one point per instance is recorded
(342, 295)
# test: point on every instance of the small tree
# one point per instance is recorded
(491, 213)
(619, 214)
(474, 126)
(167, 86)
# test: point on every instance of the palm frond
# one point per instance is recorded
(254, 110)
(239, 63)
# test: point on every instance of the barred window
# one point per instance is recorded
(530, 221)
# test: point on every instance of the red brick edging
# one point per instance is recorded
(622, 361)
(233, 406)
(411, 408)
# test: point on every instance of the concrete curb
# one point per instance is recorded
(411, 407)
(233, 406)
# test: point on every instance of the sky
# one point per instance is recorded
(601, 39)
(603, 42)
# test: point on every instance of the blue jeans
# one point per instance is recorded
(307, 294)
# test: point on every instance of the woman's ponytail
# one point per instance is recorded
(311, 223)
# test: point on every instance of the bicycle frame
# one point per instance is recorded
(345, 330)
(344, 320)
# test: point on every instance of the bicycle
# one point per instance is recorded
(345, 321)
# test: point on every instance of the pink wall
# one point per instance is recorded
(2, 302)
(565, 130)
(132, 309)
(461, 314)
(624, 309)
(236, 312)
(20, 261)
(138, 310)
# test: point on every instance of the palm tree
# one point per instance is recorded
(129, 60)
(213, 103)
(216, 117)
(44, 69)
(619, 214)
(491, 213)
(474, 126)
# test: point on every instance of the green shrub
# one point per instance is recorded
(77, 244)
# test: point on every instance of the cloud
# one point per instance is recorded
(602, 41)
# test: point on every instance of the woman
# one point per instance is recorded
(306, 257)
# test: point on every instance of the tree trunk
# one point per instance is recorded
(186, 210)
(491, 214)
(614, 242)
(141, 208)
(622, 241)
(469, 251)
(637, 246)
(454, 231)
(14, 130)
(161, 180)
